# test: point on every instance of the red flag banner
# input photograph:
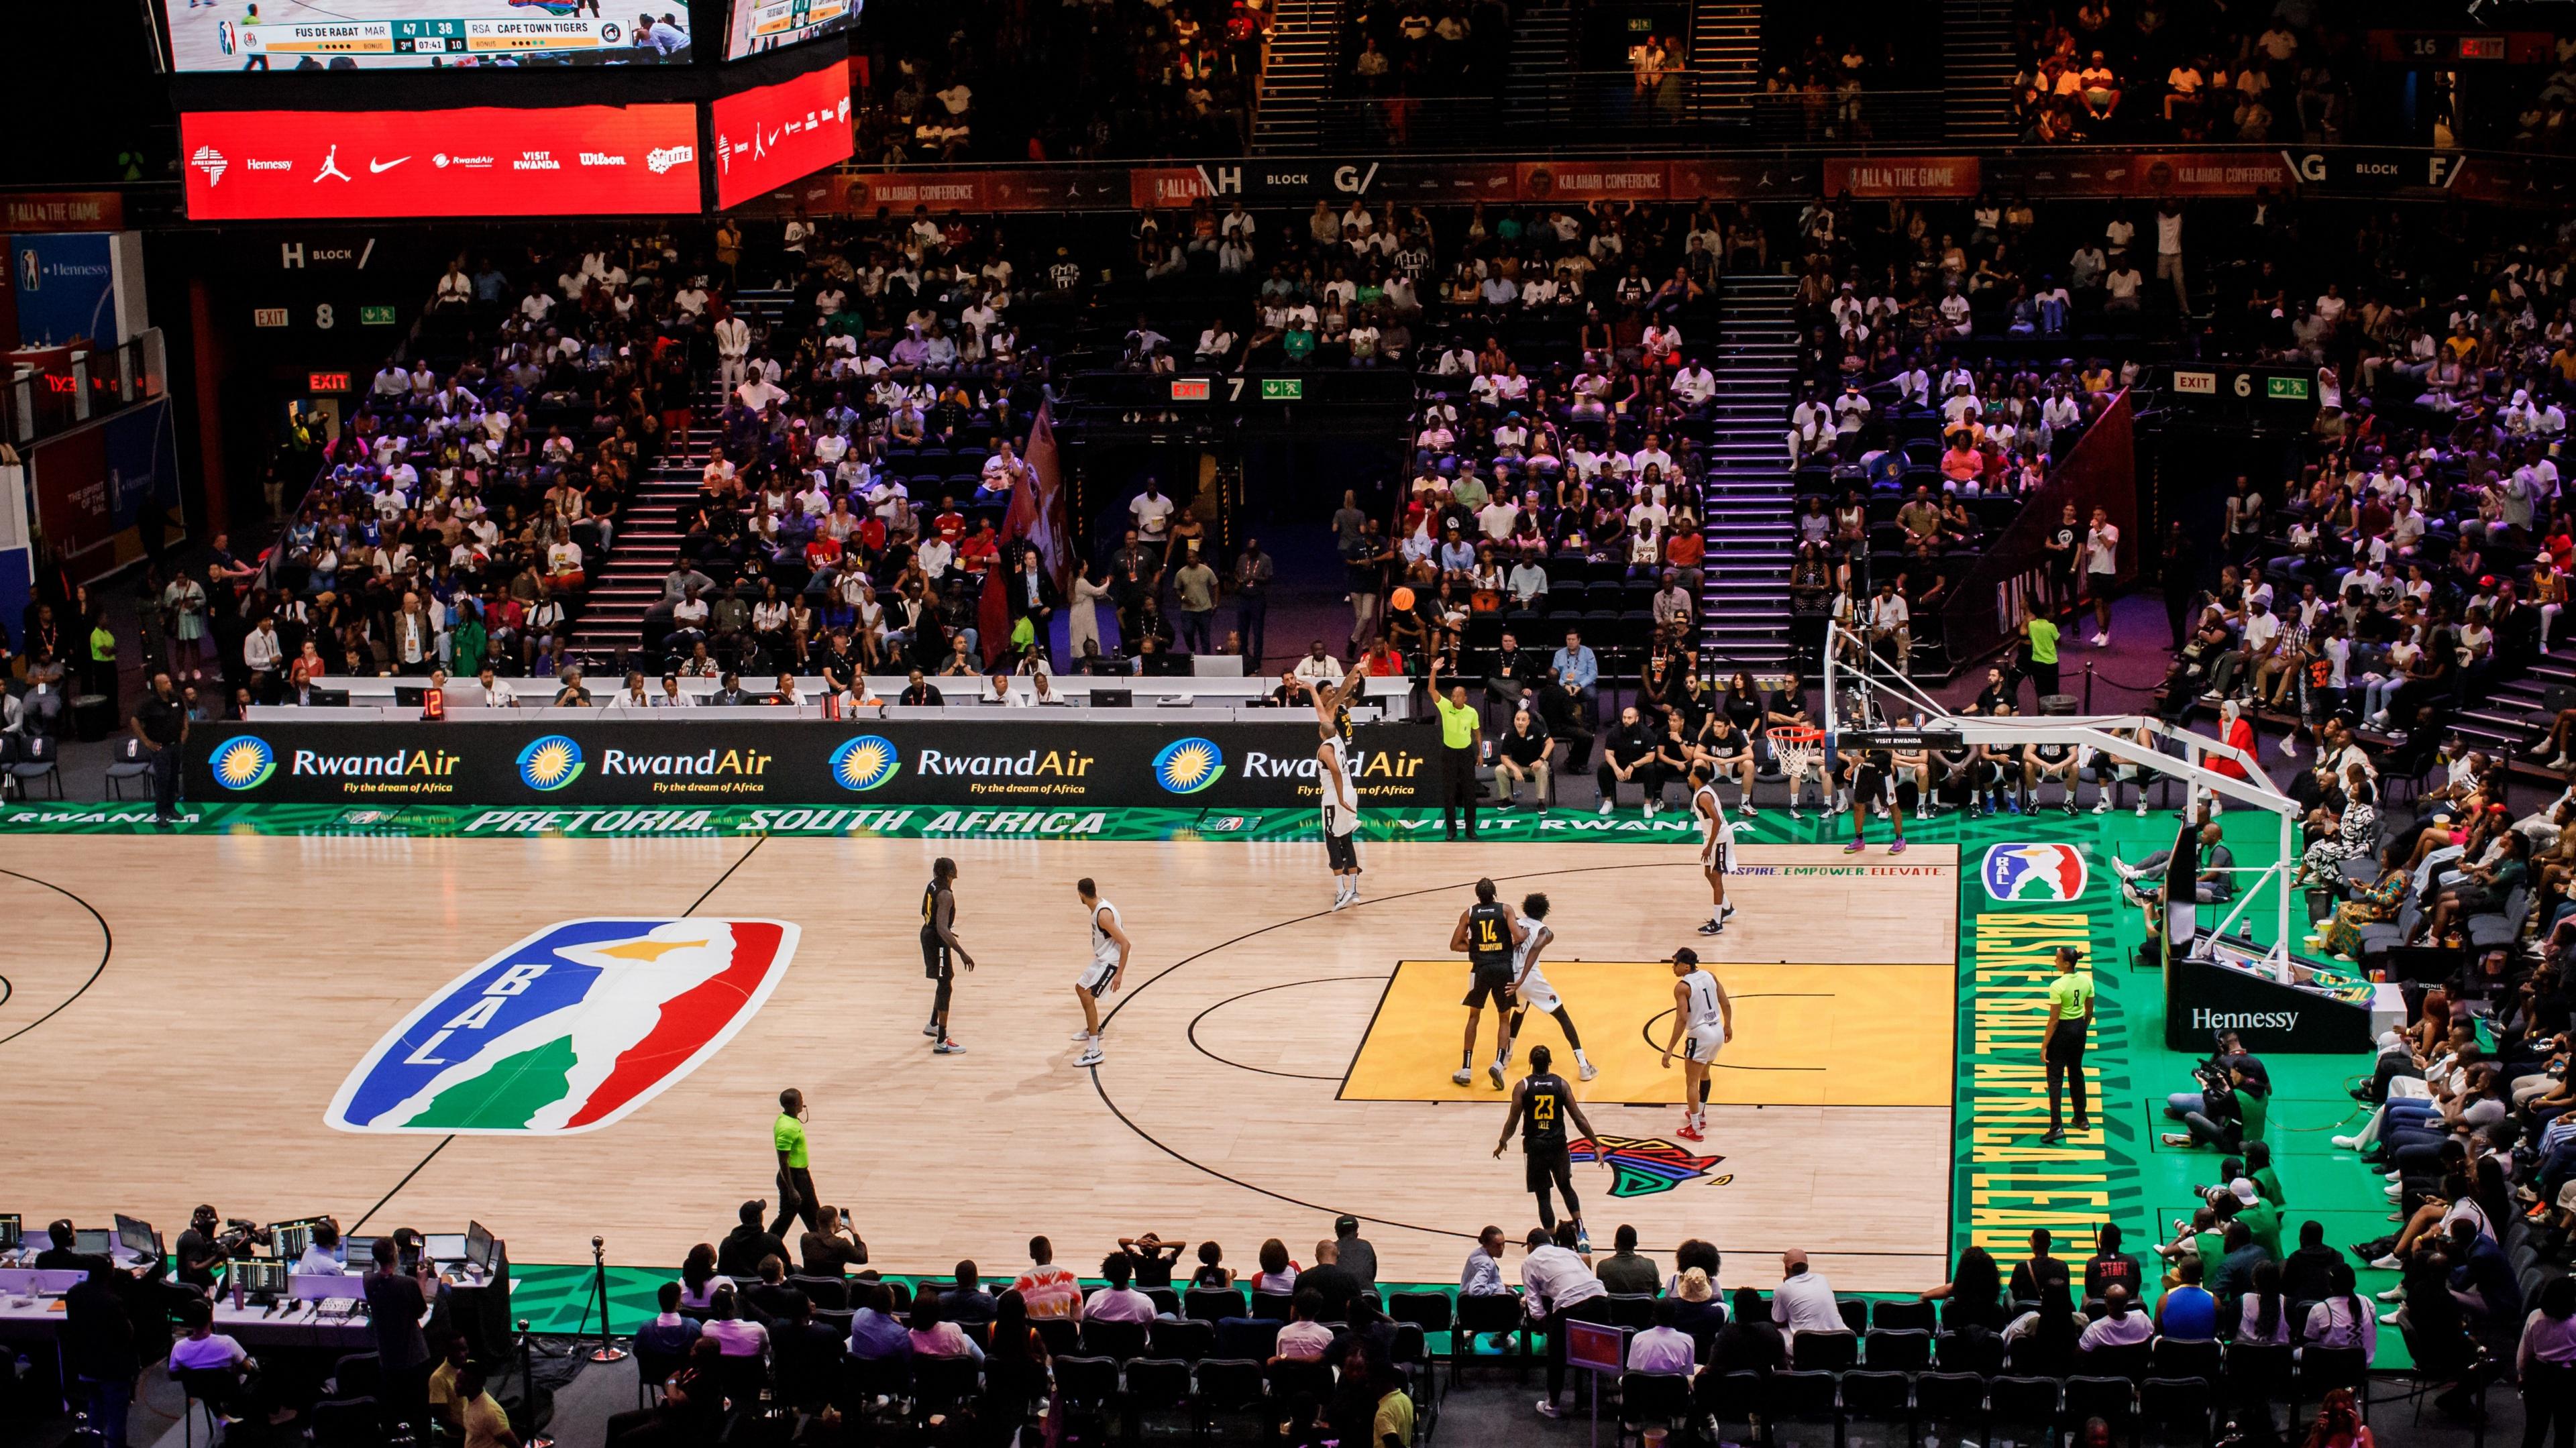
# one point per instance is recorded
(1047, 528)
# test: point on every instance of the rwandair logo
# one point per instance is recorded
(1647, 1166)
(1187, 766)
(243, 762)
(550, 763)
(865, 762)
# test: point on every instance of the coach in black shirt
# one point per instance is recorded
(161, 722)
(920, 691)
(1629, 752)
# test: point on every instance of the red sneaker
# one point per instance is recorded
(1688, 1132)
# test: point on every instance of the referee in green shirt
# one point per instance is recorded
(796, 1196)
(2070, 1015)
(1462, 732)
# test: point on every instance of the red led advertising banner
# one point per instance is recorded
(482, 161)
(773, 134)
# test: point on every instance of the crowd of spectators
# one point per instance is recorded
(1831, 83)
(2169, 71)
(1394, 49)
(464, 503)
(1118, 78)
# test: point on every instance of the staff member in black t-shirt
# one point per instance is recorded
(161, 723)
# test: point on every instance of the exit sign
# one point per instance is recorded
(1189, 389)
(1283, 389)
(2287, 389)
(326, 381)
(268, 316)
(375, 316)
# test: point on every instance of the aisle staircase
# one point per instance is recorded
(1538, 92)
(1977, 68)
(1296, 76)
(1744, 622)
(610, 625)
(1725, 59)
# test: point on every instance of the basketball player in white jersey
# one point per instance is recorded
(1530, 988)
(1703, 1022)
(1107, 971)
(1716, 846)
(1339, 795)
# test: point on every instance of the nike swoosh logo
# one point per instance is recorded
(381, 166)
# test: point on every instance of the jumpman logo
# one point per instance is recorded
(330, 166)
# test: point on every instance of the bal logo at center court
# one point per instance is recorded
(2045, 873)
(567, 1030)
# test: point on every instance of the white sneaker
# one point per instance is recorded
(2289, 746)
(2142, 806)
(2100, 639)
(2388, 1320)
(1082, 1035)
(1584, 1067)
(2397, 1176)
(1343, 902)
(1494, 1073)
(1607, 806)
(1650, 809)
(1091, 1057)
(1463, 1076)
(2388, 1264)
(2347, 1143)
(2393, 1294)
(1547, 1408)
(2396, 1192)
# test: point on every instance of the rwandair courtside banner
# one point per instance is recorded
(1026, 759)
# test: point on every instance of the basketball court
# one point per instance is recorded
(189, 1018)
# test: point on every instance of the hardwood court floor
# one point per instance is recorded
(180, 1011)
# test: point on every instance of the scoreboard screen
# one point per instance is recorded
(764, 25)
(274, 35)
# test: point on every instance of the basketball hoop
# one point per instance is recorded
(1800, 748)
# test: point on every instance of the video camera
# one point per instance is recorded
(2217, 1082)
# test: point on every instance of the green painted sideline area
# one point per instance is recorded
(2005, 1183)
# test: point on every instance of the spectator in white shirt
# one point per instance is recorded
(1118, 1302)
(2120, 1325)
(1804, 1300)
(1663, 1348)
(1555, 1283)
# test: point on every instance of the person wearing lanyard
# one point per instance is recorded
(1461, 738)
(161, 723)
(2070, 1015)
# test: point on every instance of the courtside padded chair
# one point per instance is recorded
(127, 762)
(2200, 1359)
(1118, 1340)
(1231, 1388)
(1497, 1313)
(1952, 1401)
(203, 1388)
(1215, 1304)
(2175, 1412)
(345, 1423)
(1828, 1352)
(1428, 1311)
(1291, 1376)
(870, 1388)
(1806, 1410)
(2258, 1376)
(1186, 1339)
(1167, 1303)
(1632, 1310)
(1061, 1335)
(1980, 1353)
(1088, 1387)
(2323, 1369)
(1898, 1350)
(1156, 1385)
(1734, 1405)
(1652, 1400)
(828, 1294)
(33, 756)
(2021, 1412)
(1855, 1314)
(1278, 1306)
(1878, 1410)
(2113, 1400)
(1247, 1337)
(653, 1369)
(1901, 1316)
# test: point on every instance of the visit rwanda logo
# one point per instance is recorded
(1187, 766)
(865, 762)
(2034, 872)
(550, 763)
(1643, 1166)
(568, 1030)
(243, 762)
